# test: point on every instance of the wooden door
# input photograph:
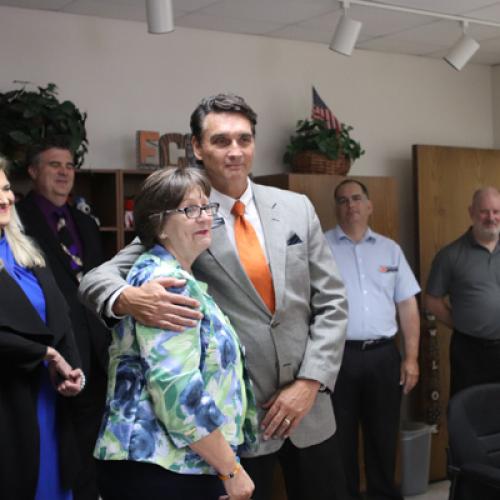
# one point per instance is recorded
(445, 179)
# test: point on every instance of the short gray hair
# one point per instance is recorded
(164, 190)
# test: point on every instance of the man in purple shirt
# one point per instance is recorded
(71, 243)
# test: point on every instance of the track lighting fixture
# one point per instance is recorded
(160, 16)
(463, 50)
(346, 33)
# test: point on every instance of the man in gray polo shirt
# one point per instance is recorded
(467, 272)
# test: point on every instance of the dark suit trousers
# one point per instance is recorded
(87, 411)
(473, 362)
(368, 393)
(314, 472)
(128, 480)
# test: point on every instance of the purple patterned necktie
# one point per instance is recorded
(68, 244)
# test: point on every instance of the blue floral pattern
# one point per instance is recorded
(167, 389)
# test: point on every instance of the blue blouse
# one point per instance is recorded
(49, 484)
(167, 389)
(24, 278)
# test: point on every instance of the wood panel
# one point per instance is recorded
(445, 179)
(319, 189)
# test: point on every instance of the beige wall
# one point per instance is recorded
(495, 78)
(127, 80)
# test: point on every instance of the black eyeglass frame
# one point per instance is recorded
(210, 209)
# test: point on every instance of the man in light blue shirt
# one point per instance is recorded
(380, 287)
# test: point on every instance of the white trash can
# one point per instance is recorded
(415, 457)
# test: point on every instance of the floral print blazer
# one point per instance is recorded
(167, 389)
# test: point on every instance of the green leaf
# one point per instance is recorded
(19, 136)
(28, 117)
(314, 135)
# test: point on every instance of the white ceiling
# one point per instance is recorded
(313, 21)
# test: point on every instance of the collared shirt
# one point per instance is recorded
(470, 275)
(49, 211)
(251, 214)
(168, 389)
(377, 277)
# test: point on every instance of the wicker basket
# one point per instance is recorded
(311, 162)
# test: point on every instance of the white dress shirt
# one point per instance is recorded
(251, 215)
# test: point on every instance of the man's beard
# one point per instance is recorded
(489, 232)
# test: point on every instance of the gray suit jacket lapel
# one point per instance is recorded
(223, 252)
(274, 235)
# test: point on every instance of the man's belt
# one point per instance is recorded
(477, 340)
(365, 345)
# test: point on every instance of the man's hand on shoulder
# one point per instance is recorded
(153, 305)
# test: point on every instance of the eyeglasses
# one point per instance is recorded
(194, 211)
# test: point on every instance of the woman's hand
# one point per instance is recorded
(66, 380)
(73, 385)
(215, 450)
(239, 487)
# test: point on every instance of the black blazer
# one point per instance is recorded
(90, 334)
(23, 343)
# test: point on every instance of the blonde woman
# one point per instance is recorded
(37, 366)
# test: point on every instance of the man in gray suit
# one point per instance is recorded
(294, 345)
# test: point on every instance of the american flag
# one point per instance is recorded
(320, 111)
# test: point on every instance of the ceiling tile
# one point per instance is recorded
(190, 5)
(443, 33)
(447, 6)
(130, 12)
(276, 11)
(377, 21)
(491, 13)
(217, 23)
(300, 33)
(36, 4)
(325, 22)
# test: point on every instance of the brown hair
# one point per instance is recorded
(220, 103)
(164, 190)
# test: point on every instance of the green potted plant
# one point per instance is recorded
(32, 117)
(315, 148)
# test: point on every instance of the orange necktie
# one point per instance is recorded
(252, 256)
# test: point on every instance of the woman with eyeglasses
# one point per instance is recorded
(38, 365)
(179, 405)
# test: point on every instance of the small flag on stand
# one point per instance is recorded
(321, 111)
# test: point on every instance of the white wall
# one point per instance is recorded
(128, 80)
